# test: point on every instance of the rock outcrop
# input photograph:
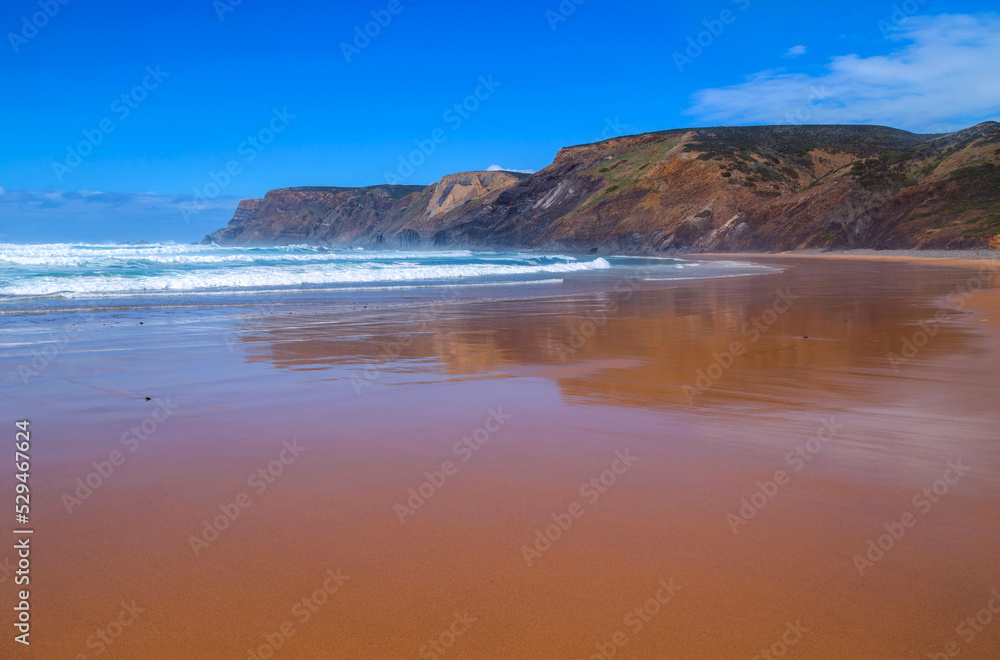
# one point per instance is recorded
(458, 190)
(761, 188)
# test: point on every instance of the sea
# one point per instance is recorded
(65, 277)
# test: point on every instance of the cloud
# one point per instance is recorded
(497, 168)
(941, 75)
(23, 198)
(84, 215)
(110, 198)
(795, 51)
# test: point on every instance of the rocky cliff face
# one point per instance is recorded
(326, 216)
(766, 188)
(458, 190)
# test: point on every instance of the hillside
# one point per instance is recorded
(762, 188)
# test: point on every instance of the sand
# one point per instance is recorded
(686, 401)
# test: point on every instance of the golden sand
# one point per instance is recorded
(698, 409)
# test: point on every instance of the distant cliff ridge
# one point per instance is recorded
(759, 188)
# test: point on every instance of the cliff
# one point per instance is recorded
(762, 188)
(458, 190)
(326, 216)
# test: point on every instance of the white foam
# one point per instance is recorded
(65, 270)
(65, 255)
(388, 269)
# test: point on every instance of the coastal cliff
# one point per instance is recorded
(761, 188)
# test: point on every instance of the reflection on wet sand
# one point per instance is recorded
(837, 321)
(543, 543)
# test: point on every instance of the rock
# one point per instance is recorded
(441, 239)
(407, 238)
(789, 187)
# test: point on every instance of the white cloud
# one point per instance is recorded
(942, 74)
(497, 168)
(795, 51)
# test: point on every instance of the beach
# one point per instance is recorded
(803, 462)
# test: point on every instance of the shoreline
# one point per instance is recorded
(930, 257)
(378, 401)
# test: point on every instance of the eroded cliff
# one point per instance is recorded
(765, 188)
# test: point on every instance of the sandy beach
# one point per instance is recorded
(804, 463)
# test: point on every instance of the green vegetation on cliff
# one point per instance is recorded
(763, 188)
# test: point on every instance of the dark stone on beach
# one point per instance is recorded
(148, 399)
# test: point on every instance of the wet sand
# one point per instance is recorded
(684, 400)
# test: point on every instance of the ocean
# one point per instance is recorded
(68, 277)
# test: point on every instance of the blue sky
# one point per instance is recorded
(164, 98)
